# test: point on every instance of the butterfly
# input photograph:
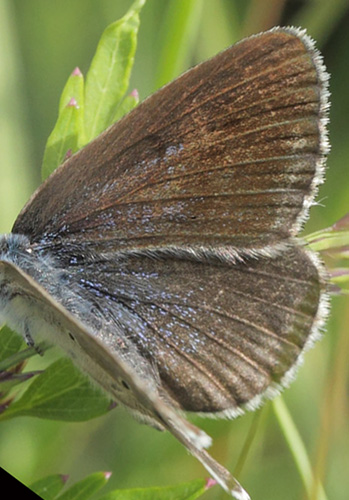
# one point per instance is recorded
(163, 257)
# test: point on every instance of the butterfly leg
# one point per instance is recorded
(30, 341)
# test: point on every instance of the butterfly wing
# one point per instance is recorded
(108, 367)
(220, 335)
(220, 164)
(226, 156)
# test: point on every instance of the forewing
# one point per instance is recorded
(220, 335)
(226, 155)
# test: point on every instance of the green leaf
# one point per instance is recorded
(68, 134)
(23, 355)
(108, 77)
(333, 245)
(329, 239)
(340, 277)
(333, 237)
(61, 392)
(84, 112)
(126, 105)
(186, 491)
(10, 380)
(10, 343)
(87, 487)
(49, 487)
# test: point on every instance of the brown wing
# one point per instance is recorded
(227, 154)
(221, 336)
(111, 369)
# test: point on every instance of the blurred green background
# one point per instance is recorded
(41, 44)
